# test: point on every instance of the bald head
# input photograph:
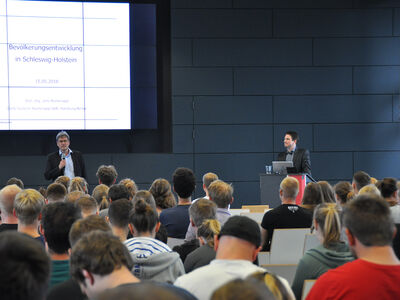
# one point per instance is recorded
(7, 197)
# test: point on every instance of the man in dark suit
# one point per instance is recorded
(64, 161)
(300, 157)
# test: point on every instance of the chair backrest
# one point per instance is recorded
(254, 216)
(238, 211)
(256, 208)
(286, 271)
(307, 287)
(172, 242)
(310, 241)
(287, 245)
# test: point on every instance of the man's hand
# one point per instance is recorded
(61, 164)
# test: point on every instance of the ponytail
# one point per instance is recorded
(208, 230)
(328, 221)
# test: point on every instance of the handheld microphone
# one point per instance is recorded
(62, 155)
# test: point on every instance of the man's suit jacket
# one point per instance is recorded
(301, 160)
(53, 160)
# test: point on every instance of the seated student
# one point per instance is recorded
(312, 196)
(241, 289)
(78, 184)
(199, 211)
(118, 217)
(176, 219)
(161, 191)
(57, 219)
(205, 254)
(287, 215)
(55, 192)
(87, 205)
(28, 206)
(376, 272)
(107, 175)
(100, 193)
(72, 197)
(153, 260)
(64, 180)
(17, 181)
(116, 192)
(343, 192)
(99, 261)
(327, 192)
(70, 289)
(7, 197)
(131, 186)
(360, 179)
(25, 267)
(330, 254)
(389, 191)
(146, 291)
(278, 286)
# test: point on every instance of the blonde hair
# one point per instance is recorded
(370, 189)
(272, 282)
(208, 230)
(327, 217)
(131, 186)
(100, 193)
(28, 204)
(78, 184)
(290, 187)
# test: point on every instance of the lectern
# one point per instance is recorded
(269, 188)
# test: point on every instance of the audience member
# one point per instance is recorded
(208, 178)
(87, 205)
(146, 196)
(118, 216)
(25, 268)
(15, 180)
(240, 289)
(57, 219)
(161, 191)
(70, 289)
(107, 175)
(343, 192)
(199, 211)
(376, 272)
(369, 189)
(28, 205)
(237, 246)
(99, 261)
(72, 197)
(176, 219)
(312, 196)
(56, 192)
(278, 287)
(153, 260)
(7, 197)
(115, 192)
(146, 291)
(221, 194)
(360, 179)
(205, 253)
(78, 184)
(327, 192)
(131, 186)
(64, 180)
(389, 191)
(330, 254)
(100, 193)
(287, 215)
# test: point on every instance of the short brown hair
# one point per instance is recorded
(208, 178)
(87, 204)
(107, 174)
(86, 225)
(56, 192)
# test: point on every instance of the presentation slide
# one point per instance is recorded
(64, 65)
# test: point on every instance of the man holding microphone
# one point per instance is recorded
(64, 161)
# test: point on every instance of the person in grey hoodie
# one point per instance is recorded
(330, 254)
(153, 259)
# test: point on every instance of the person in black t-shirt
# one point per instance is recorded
(287, 215)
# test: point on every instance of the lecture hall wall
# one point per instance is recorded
(245, 71)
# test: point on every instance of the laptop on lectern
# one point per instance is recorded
(279, 167)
